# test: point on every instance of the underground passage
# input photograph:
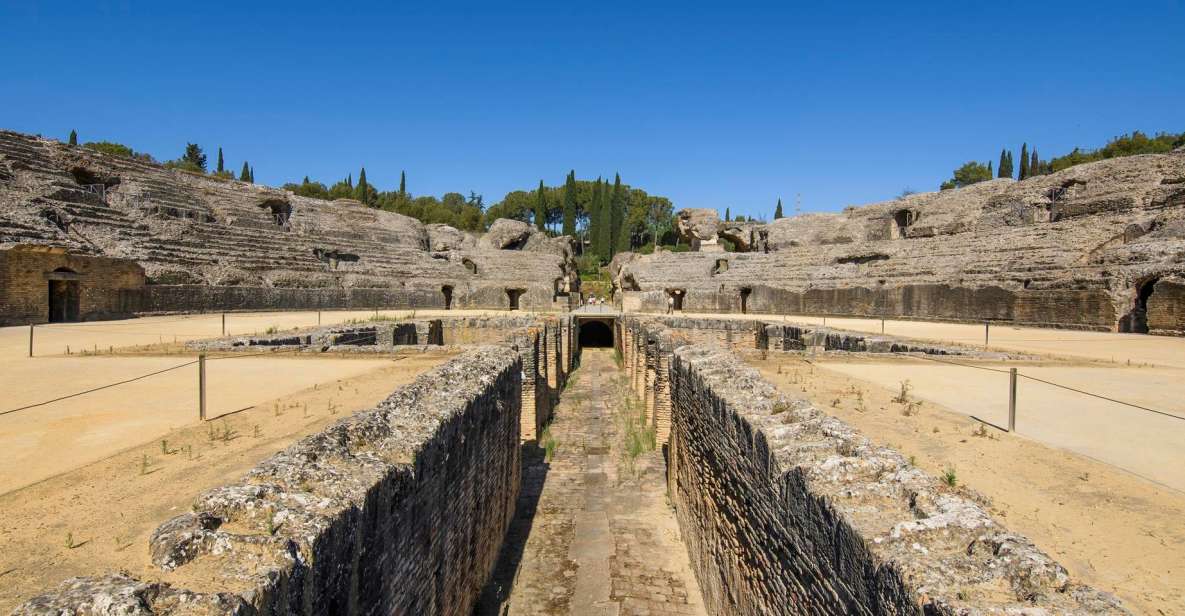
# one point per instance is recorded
(595, 334)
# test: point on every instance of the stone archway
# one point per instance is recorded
(1136, 320)
(447, 291)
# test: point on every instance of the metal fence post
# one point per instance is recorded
(202, 386)
(224, 324)
(882, 325)
(318, 317)
(1012, 400)
(31, 339)
(986, 326)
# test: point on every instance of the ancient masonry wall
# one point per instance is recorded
(400, 510)
(785, 510)
(107, 288)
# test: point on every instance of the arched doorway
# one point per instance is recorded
(676, 296)
(595, 334)
(1136, 321)
(745, 293)
(512, 298)
(448, 296)
(64, 296)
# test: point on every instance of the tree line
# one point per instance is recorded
(1031, 164)
(192, 159)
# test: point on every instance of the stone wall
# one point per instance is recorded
(785, 510)
(107, 288)
(400, 509)
(1068, 249)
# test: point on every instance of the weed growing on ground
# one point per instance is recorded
(69, 540)
(910, 408)
(271, 329)
(272, 526)
(981, 431)
(144, 464)
(902, 396)
(549, 443)
(164, 446)
(256, 433)
(949, 477)
(332, 408)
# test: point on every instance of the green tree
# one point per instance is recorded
(970, 173)
(618, 235)
(220, 168)
(251, 175)
(361, 192)
(1024, 162)
(73, 138)
(403, 184)
(245, 174)
(778, 210)
(594, 217)
(194, 155)
(540, 208)
(1005, 168)
(570, 204)
(727, 215)
(605, 236)
(1034, 164)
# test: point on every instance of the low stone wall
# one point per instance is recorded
(785, 510)
(400, 509)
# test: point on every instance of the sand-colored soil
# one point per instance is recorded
(97, 518)
(1106, 346)
(1108, 527)
(1144, 443)
(53, 339)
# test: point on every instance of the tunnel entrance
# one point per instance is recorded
(448, 297)
(1136, 321)
(64, 295)
(597, 334)
(676, 299)
(745, 293)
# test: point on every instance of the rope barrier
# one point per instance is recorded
(1033, 378)
(1101, 397)
(82, 393)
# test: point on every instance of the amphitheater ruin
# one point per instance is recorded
(412, 419)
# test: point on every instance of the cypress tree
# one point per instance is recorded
(605, 237)
(540, 208)
(990, 169)
(245, 174)
(402, 183)
(1034, 164)
(306, 179)
(616, 216)
(778, 210)
(360, 192)
(73, 138)
(624, 236)
(570, 204)
(727, 215)
(1024, 162)
(252, 174)
(594, 217)
(220, 167)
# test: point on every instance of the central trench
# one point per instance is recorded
(593, 532)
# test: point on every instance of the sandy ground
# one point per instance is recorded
(1109, 528)
(97, 518)
(1122, 348)
(1150, 445)
(53, 339)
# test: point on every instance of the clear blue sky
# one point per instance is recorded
(713, 106)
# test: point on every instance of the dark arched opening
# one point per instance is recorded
(448, 297)
(745, 293)
(595, 334)
(64, 296)
(512, 298)
(1136, 321)
(902, 219)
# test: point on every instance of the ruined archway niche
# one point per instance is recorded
(86, 177)
(513, 297)
(745, 293)
(720, 267)
(470, 265)
(447, 291)
(1136, 320)
(902, 220)
(280, 210)
(676, 296)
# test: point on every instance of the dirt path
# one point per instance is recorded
(1109, 528)
(593, 534)
(97, 518)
